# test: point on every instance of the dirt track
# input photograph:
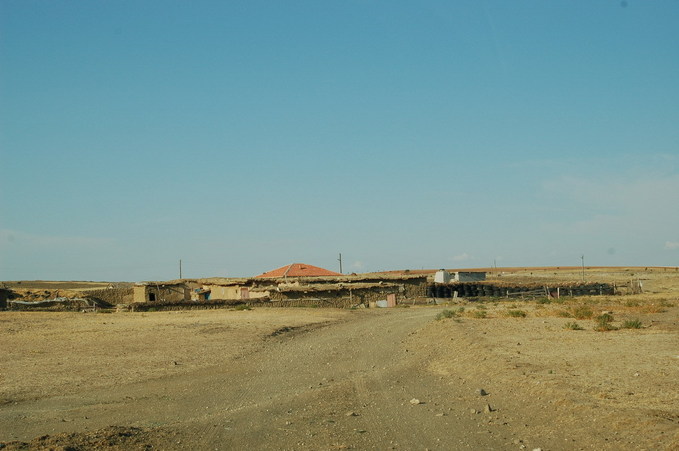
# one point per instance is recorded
(292, 392)
(328, 379)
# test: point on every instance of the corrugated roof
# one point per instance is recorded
(298, 270)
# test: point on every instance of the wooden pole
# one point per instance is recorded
(583, 267)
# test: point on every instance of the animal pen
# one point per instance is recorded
(474, 290)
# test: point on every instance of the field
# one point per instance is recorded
(557, 374)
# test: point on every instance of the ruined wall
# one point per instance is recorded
(332, 298)
(157, 306)
(155, 293)
(310, 302)
(111, 296)
(415, 288)
(234, 292)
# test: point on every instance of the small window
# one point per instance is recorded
(152, 296)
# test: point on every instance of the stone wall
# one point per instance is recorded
(415, 288)
(110, 296)
(343, 297)
(159, 292)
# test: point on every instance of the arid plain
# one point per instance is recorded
(595, 372)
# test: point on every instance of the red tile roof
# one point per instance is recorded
(299, 270)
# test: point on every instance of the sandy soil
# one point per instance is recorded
(339, 379)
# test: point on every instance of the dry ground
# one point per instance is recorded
(59, 285)
(339, 379)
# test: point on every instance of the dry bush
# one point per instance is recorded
(573, 326)
(479, 313)
(603, 323)
(445, 314)
(563, 314)
(631, 324)
(516, 313)
(582, 312)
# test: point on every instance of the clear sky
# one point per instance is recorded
(240, 136)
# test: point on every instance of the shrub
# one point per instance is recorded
(605, 318)
(480, 314)
(631, 324)
(564, 314)
(516, 313)
(445, 314)
(572, 326)
(604, 322)
(582, 312)
(543, 300)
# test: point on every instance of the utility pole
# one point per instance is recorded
(180, 268)
(340, 262)
(583, 267)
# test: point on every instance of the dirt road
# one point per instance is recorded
(367, 379)
(344, 385)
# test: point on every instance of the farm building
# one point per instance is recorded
(296, 284)
(218, 288)
(298, 270)
(343, 291)
(171, 291)
(444, 276)
(337, 294)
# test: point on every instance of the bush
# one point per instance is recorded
(564, 314)
(604, 322)
(445, 314)
(572, 326)
(480, 314)
(516, 313)
(605, 318)
(631, 324)
(543, 300)
(582, 312)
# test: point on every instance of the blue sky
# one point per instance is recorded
(241, 136)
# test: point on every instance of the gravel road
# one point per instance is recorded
(341, 385)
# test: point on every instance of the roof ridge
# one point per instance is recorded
(285, 274)
(299, 270)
